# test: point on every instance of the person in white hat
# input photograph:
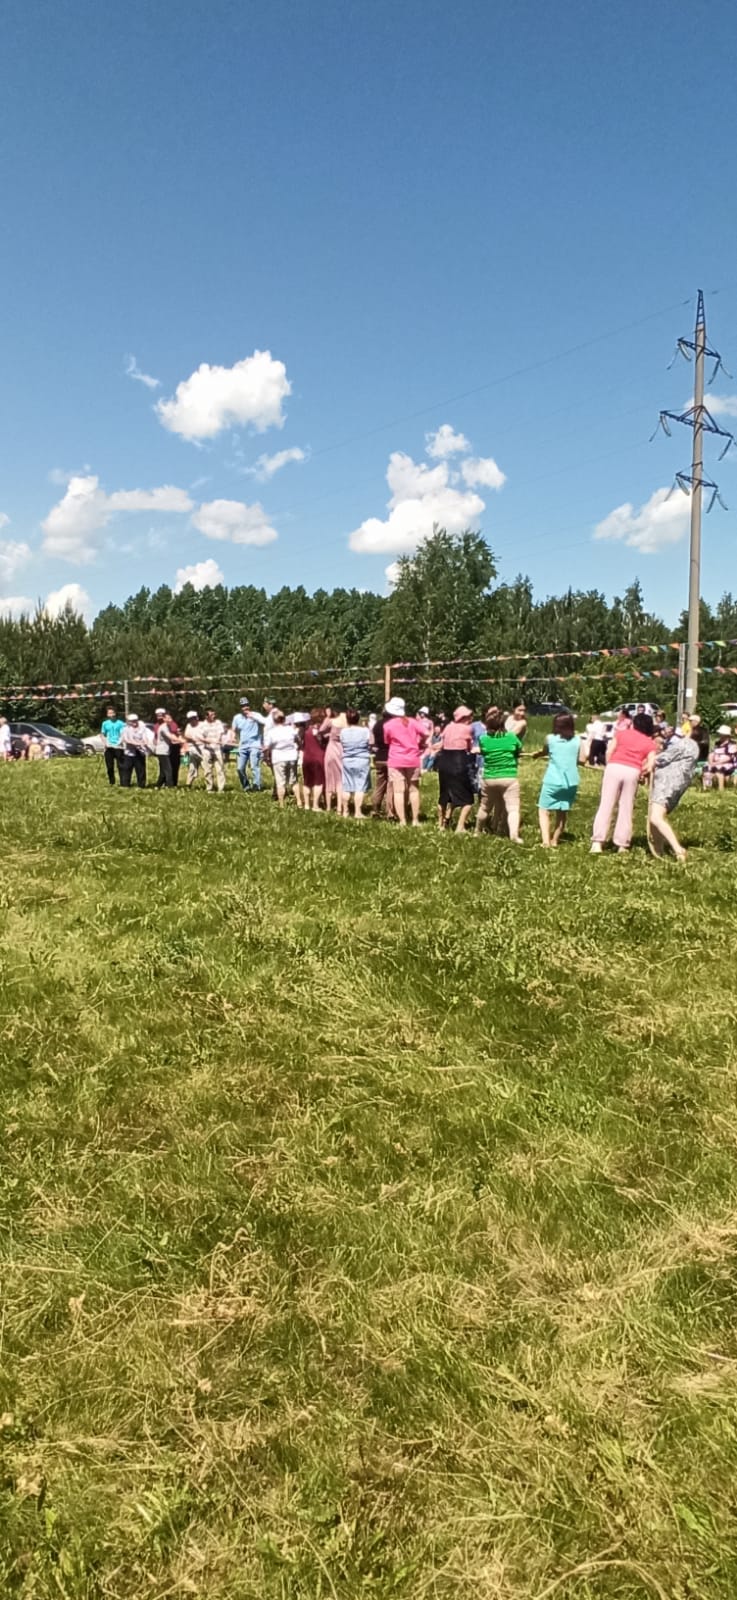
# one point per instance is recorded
(722, 763)
(406, 740)
(135, 744)
(211, 738)
(194, 746)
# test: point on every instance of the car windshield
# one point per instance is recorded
(51, 733)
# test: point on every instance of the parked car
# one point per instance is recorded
(62, 744)
(547, 708)
(94, 744)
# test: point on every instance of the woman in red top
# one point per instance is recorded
(454, 771)
(625, 764)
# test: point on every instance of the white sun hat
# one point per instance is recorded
(395, 706)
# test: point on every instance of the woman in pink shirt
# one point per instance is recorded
(331, 730)
(454, 771)
(625, 764)
(405, 741)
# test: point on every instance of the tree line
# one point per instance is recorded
(446, 603)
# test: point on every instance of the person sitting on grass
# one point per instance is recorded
(722, 762)
(560, 783)
(500, 796)
(672, 770)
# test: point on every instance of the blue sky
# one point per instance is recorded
(415, 211)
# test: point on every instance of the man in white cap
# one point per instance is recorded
(135, 745)
(211, 736)
(193, 746)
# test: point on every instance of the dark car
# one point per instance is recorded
(62, 744)
(547, 708)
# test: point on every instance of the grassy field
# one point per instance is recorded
(368, 1214)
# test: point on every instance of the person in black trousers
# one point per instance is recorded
(175, 752)
(135, 744)
(112, 729)
(163, 749)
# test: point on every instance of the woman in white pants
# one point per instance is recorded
(625, 763)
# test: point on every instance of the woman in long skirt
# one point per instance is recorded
(332, 728)
(313, 760)
(454, 770)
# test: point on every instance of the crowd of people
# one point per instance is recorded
(327, 759)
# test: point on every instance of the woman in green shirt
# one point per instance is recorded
(499, 782)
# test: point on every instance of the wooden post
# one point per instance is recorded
(387, 683)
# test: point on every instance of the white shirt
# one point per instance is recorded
(281, 741)
(135, 736)
(162, 739)
(5, 739)
(596, 729)
(211, 734)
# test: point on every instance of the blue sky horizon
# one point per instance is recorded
(287, 285)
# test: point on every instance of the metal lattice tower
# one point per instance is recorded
(699, 418)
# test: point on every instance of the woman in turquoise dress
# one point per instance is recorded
(560, 784)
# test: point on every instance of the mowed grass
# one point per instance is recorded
(368, 1219)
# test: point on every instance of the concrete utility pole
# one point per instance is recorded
(698, 417)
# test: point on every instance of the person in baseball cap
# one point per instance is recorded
(193, 746)
(247, 728)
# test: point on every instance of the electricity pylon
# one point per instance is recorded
(699, 418)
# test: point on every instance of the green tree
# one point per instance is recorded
(440, 602)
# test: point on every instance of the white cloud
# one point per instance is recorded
(234, 520)
(720, 405)
(483, 470)
(445, 443)
(71, 594)
(72, 526)
(133, 371)
(201, 575)
(391, 573)
(425, 497)
(661, 521)
(266, 466)
(4, 519)
(212, 398)
(13, 555)
(167, 498)
(16, 605)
